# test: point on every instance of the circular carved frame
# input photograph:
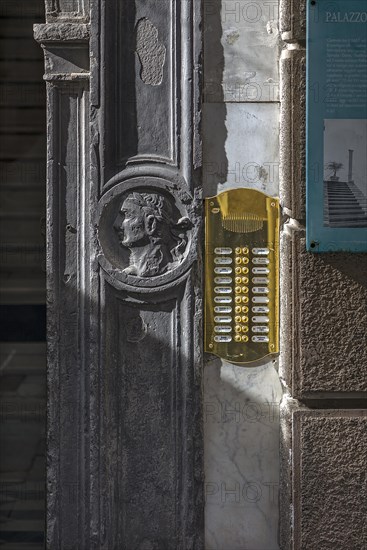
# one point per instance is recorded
(113, 258)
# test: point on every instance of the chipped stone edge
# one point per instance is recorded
(61, 32)
(292, 131)
(292, 28)
(292, 20)
(71, 77)
(288, 406)
(66, 35)
(56, 11)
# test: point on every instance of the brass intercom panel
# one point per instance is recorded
(242, 276)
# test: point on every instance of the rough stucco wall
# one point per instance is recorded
(332, 293)
(324, 308)
(323, 347)
(330, 480)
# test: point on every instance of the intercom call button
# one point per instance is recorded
(222, 309)
(223, 260)
(224, 251)
(260, 261)
(223, 280)
(260, 300)
(260, 251)
(260, 280)
(223, 328)
(260, 339)
(260, 271)
(261, 329)
(222, 270)
(222, 319)
(222, 338)
(223, 290)
(260, 319)
(222, 299)
(260, 290)
(260, 309)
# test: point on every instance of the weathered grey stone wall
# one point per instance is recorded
(124, 275)
(323, 489)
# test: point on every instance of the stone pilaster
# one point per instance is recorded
(124, 275)
(323, 347)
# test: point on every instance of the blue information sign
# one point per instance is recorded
(336, 125)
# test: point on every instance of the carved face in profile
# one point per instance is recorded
(146, 226)
(134, 227)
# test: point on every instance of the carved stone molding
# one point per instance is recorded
(61, 32)
(66, 50)
(125, 324)
(67, 9)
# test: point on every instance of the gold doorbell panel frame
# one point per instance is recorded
(242, 276)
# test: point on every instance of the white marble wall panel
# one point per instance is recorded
(241, 419)
(241, 47)
(241, 147)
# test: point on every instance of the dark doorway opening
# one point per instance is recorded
(22, 278)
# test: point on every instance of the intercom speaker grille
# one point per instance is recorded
(243, 223)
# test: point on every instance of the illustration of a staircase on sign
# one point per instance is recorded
(344, 203)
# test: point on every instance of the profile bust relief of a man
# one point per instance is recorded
(146, 227)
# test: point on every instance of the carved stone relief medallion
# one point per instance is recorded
(145, 232)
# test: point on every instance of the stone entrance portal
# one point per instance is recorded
(124, 232)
